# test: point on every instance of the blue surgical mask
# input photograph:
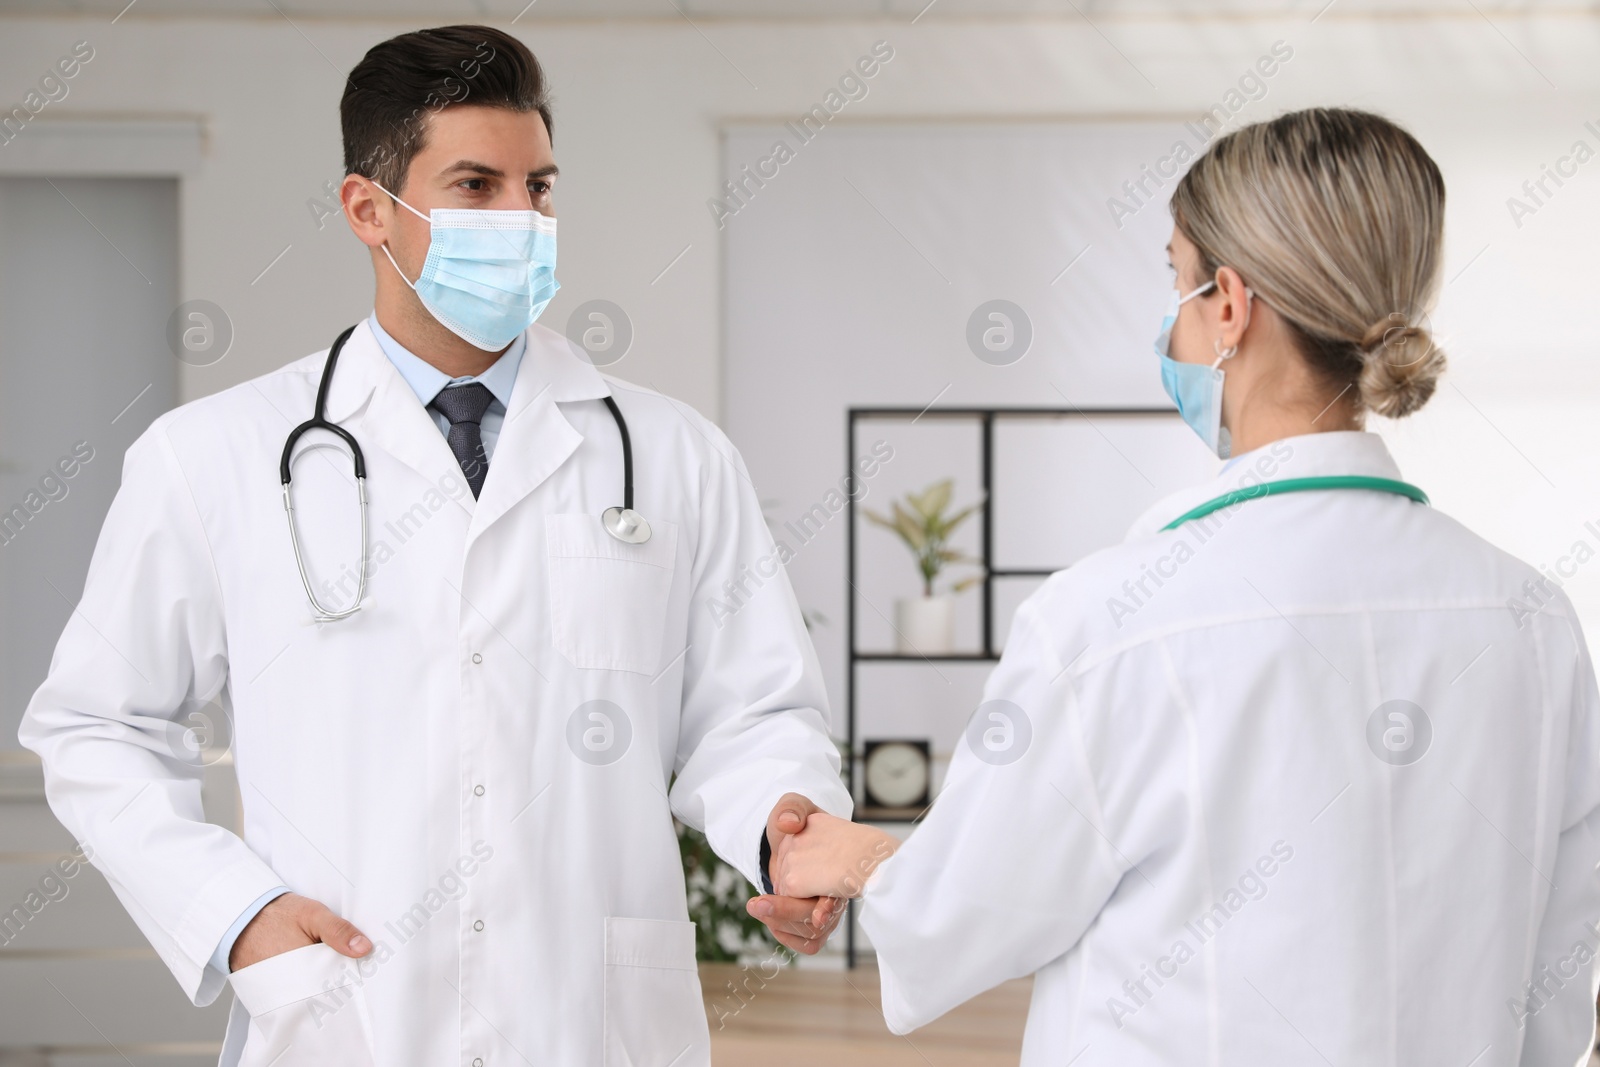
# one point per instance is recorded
(1194, 387)
(488, 274)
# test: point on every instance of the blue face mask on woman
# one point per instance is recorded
(488, 274)
(1195, 387)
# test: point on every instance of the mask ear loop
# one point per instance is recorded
(1182, 300)
(1233, 350)
(385, 245)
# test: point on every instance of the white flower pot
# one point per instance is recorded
(926, 625)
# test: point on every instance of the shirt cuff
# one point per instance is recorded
(219, 958)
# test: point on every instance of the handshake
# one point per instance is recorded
(818, 862)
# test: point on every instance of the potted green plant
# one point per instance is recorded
(926, 625)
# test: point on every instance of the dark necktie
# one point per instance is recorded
(464, 406)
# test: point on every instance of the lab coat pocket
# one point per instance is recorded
(306, 1008)
(654, 1015)
(608, 599)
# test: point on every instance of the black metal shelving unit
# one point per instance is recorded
(986, 418)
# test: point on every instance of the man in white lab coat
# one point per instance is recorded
(458, 800)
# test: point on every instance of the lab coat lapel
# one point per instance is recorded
(369, 396)
(536, 438)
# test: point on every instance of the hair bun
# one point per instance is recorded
(1400, 366)
(1336, 218)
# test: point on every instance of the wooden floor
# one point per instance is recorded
(801, 1018)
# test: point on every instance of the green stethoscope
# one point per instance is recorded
(1296, 485)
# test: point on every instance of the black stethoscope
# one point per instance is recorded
(623, 523)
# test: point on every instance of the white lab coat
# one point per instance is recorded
(432, 768)
(1199, 854)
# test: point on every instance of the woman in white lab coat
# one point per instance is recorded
(1308, 778)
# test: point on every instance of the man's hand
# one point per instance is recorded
(788, 816)
(801, 923)
(292, 921)
(797, 922)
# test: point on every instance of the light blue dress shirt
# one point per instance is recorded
(219, 958)
(425, 380)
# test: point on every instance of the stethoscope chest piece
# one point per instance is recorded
(626, 525)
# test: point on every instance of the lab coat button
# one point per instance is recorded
(477, 790)
(478, 925)
(478, 1062)
(477, 657)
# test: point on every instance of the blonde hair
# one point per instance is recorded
(1335, 218)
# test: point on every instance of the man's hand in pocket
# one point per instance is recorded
(292, 921)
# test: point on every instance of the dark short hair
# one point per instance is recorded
(399, 83)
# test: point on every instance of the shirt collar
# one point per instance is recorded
(426, 380)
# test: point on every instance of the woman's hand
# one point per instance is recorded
(831, 857)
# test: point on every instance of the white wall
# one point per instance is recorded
(1508, 446)
(852, 278)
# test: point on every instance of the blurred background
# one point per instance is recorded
(920, 242)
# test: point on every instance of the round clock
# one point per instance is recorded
(896, 774)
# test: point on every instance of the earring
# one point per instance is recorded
(1223, 353)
